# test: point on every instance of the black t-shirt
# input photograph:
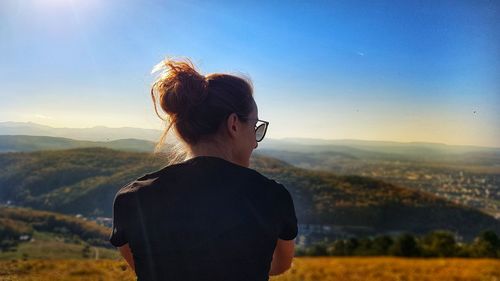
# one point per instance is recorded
(203, 219)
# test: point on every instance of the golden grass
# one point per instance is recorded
(303, 269)
(46, 246)
(45, 270)
(391, 269)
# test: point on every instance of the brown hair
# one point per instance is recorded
(197, 105)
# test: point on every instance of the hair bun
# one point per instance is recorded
(178, 87)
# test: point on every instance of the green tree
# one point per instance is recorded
(365, 247)
(381, 245)
(405, 245)
(486, 244)
(439, 243)
(318, 249)
(300, 251)
(337, 248)
(351, 245)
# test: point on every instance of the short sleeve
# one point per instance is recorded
(117, 237)
(288, 227)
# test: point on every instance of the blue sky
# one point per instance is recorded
(374, 70)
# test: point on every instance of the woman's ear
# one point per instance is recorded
(233, 125)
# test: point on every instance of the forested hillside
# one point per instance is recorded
(86, 180)
(16, 222)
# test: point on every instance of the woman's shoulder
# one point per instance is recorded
(269, 182)
(174, 171)
(133, 186)
(259, 176)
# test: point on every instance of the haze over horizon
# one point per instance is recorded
(404, 72)
(299, 138)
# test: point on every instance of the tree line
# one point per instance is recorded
(438, 243)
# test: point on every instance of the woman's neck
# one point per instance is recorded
(214, 149)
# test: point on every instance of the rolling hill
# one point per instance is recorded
(384, 150)
(85, 181)
(25, 143)
(96, 133)
(32, 234)
(375, 150)
(18, 221)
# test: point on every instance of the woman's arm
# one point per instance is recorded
(282, 256)
(127, 254)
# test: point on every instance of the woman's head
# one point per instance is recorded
(216, 112)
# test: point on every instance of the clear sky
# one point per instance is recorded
(371, 70)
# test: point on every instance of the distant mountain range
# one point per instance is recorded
(295, 153)
(85, 180)
(379, 150)
(97, 133)
(137, 139)
(22, 143)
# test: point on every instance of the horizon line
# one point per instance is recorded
(282, 138)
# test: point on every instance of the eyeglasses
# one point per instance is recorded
(260, 131)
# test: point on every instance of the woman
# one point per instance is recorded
(209, 216)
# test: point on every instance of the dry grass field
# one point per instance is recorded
(392, 269)
(303, 269)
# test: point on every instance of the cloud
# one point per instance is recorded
(360, 54)
(41, 116)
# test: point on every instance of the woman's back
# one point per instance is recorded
(203, 219)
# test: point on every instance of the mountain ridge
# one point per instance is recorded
(104, 133)
(85, 180)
